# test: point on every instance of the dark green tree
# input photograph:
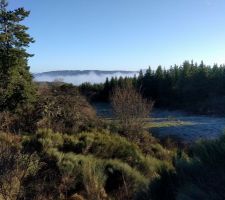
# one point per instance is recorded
(16, 87)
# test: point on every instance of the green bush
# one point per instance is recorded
(102, 145)
(97, 165)
(199, 176)
(204, 173)
(101, 176)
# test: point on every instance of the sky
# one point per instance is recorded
(123, 34)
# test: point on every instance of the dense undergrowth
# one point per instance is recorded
(64, 151)
(102, 165)
(93, 159)
(98, 163)
(200, 175)
(91, 165)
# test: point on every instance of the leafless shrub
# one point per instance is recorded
(130, 108)
(43, 89)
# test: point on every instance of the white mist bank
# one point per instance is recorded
(90, 77)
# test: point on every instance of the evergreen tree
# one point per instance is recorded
(16, 87)
(140, 79)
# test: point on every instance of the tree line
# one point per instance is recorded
(197, 87)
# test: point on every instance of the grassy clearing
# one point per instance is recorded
(151, 123)
(159, 122)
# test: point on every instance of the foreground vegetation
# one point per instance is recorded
(200, 175)
(54, 147)
(103, 165)
(97, 159)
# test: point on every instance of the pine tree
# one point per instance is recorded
(16, 87)
(140, 80)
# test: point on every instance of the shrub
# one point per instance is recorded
(65, 110)
(149, 145)
(123, 182)
(130, 108)
(100, 178)
(23, 120)
(204, 173)
(15, 167)
(107, 146)
(199, 176)
(97, 165)
(7, 122)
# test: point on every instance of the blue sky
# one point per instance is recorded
(123, 34)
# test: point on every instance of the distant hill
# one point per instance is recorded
(78, 77)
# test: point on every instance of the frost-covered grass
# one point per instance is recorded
(175, 123)
(166, 123)
(186, 127)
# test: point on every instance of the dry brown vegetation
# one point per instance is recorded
(130, 108)
(64, 109)
(59, 107)
(15, 167)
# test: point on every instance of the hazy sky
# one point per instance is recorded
(123, 34)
